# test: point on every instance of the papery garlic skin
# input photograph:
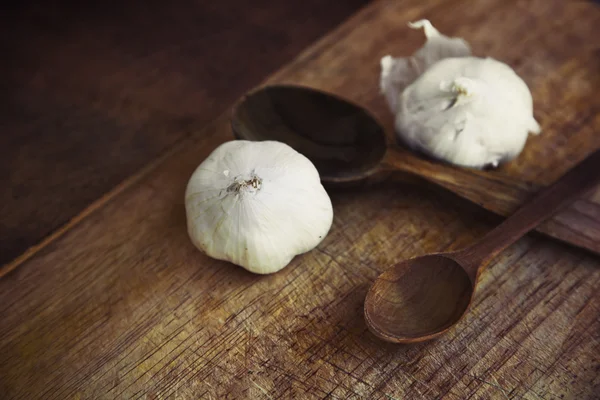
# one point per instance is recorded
(398, 73)
(257, 205)
(466, 110)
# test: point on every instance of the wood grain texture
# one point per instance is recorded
(123, 306)
(91, 93)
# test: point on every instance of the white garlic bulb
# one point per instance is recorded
(466, 110)
(257, 205)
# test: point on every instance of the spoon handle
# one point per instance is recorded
(578, 225)
(581, 178)
(494, 192)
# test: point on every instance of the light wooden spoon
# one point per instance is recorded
(420, 299)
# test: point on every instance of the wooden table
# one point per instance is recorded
(119, 304)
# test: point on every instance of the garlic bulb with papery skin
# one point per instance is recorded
(257, 205)
(466, 110)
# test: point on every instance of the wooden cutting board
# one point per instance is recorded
(569, 125)
(121, 305)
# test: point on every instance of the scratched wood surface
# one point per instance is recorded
(123, 306)
(92, 92)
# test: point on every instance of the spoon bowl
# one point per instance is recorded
(418, 299)
(342, 140)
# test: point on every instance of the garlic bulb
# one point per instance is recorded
(466, 110)
(257, 205)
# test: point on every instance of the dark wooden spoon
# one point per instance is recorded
(348, 146)
(343, 140)
(422, 298)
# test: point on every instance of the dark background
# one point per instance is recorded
(91, 92)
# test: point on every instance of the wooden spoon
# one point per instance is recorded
(348, 146)
(344, 141)
(421, 298)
